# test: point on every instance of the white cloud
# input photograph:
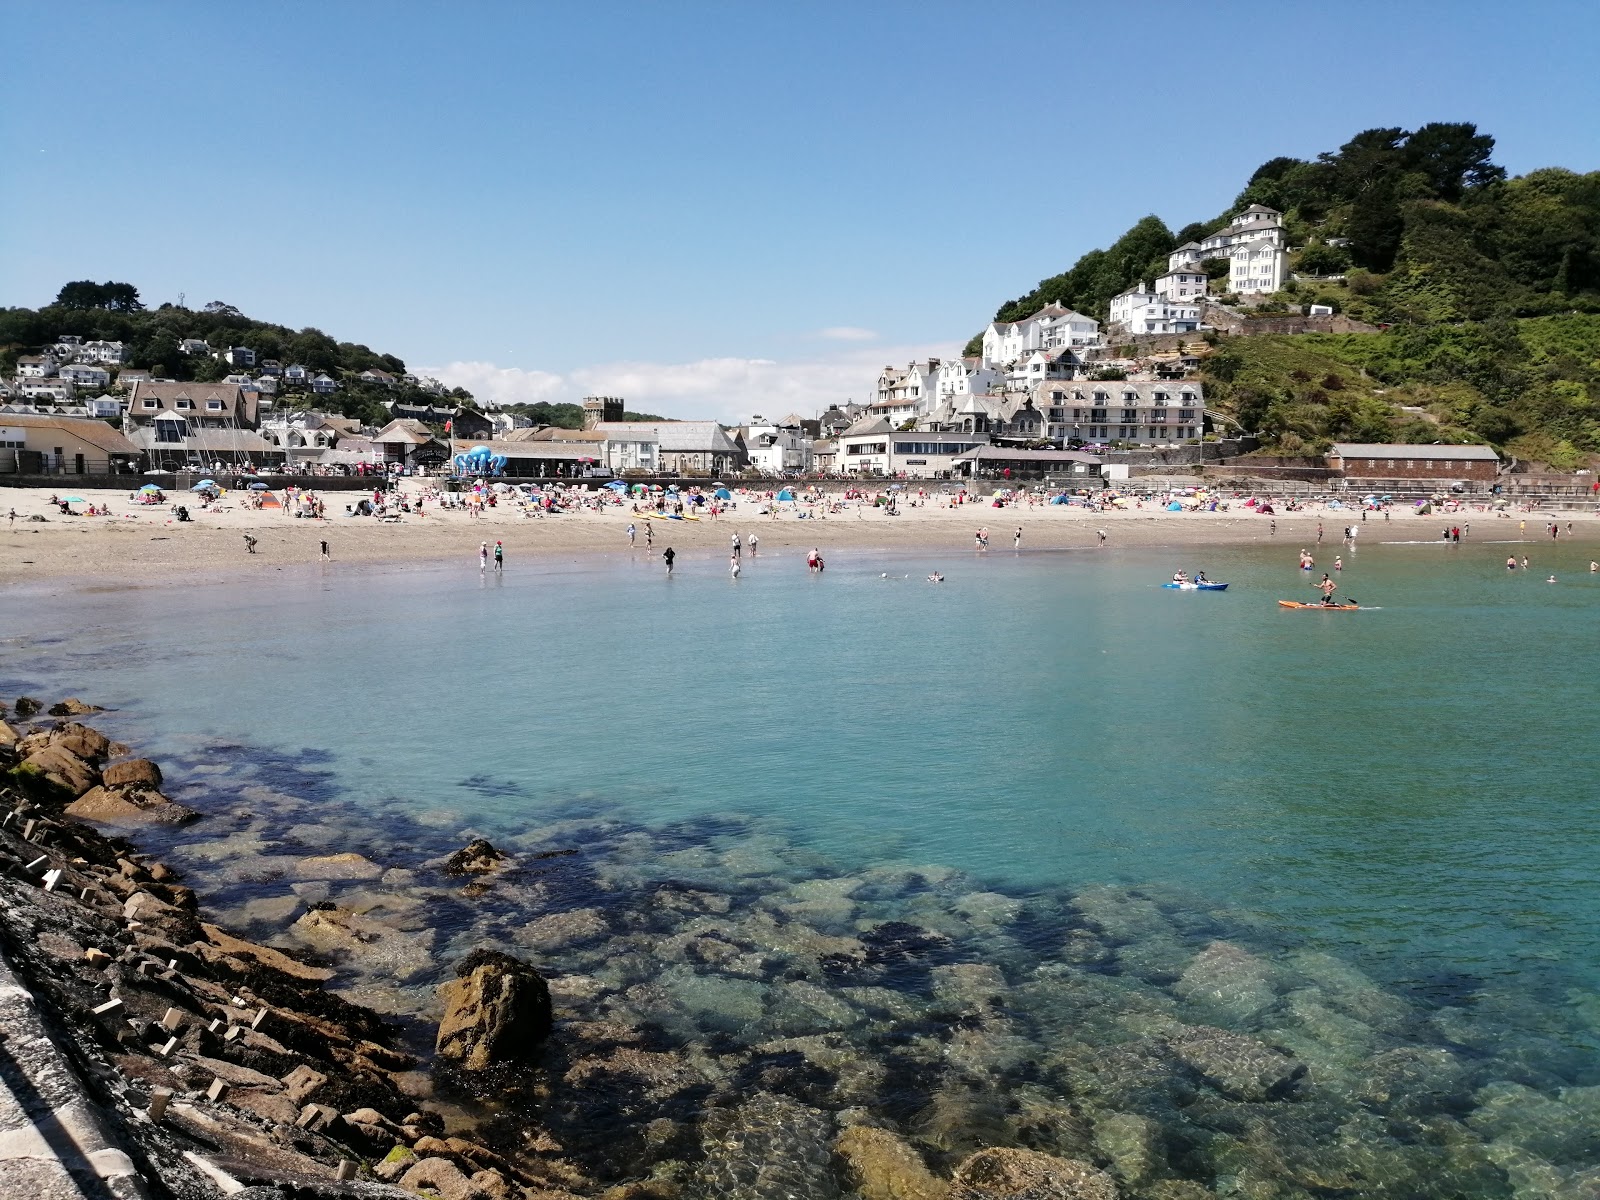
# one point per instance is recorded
(847, 333)
(730, 390)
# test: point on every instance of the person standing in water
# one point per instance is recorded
(325, 553)
(667, 556)
(754, 542)
(736, 544)
(483, 556)
(1016, 539)
(733, 565)
(631, 533)
(499, 556)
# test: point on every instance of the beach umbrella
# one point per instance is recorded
(150, 487)
(616, 485)
(258, 486)
(206, 486)
(76, 500)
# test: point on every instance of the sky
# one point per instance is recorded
(710, 209)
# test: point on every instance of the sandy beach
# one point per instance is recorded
(145, 544)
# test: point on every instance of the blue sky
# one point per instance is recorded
(714, 208)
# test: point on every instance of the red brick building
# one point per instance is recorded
(1379, 460)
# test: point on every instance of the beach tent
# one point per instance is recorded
(786, 494)
(722, 493)
(616, 485)
(205, 485)
(1174, 507)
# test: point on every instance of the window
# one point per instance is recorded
(152, 404)
(1158, 415)
(1410, 464)
(1186, 414)
(213, 405)
(1097, 414)
(1428, 463)
(1130, 414)
(185, 403)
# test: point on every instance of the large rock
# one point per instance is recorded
(129, 806)
(1240, 1067)
(1228, 980)
(8, 736)
(61, 768)
(73, 707)
(139, 772)
(878, 1165)
(1008, 1174)
(496, 1010)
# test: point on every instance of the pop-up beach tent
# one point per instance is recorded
(616, 485)
(722, 494)
(786, 494)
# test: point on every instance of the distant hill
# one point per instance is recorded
(113, 312)
(1489, 287)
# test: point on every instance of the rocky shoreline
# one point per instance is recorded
(589, 1008)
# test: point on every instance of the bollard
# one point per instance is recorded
(347, 1171)
(159, 1099)
(110, 1005)
(172, 1019)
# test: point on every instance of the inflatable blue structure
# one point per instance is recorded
(480, 460)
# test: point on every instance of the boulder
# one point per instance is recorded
(769, 1147)
(265, 956)
(478, 857)
(61, 768)
(1240, 1067)
(1229, 981)
(170, 921)
(348, 865)
(1132, 1143)
(439, 1176)
(8, 736)
(26, 706)
(88, 744)
(555, 930)
(129, 806)
(496, 1010)
(1009, 1174)
(879, 1165)
(73, 707)
(139, 772)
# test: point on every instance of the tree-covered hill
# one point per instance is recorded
(1422, 225)
(113, 312)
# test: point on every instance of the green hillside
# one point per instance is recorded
(113, 312)
(1488, 286)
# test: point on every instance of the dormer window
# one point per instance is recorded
(185, 404)
(152, 404)
(213, 405)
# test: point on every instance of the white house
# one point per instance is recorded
(903, 393)
(964, 376)
(871, 447)
(129, 376)
(193, 346)
(777, 448)
(103, 407)
(323, 384)
(1140, 310)
(1054, 326)
(1256, 249)
(381, 378)
(239, 379)
(240, 356)
(82, 374)
(1182, 283)
(37, 366)
(53, 388)
(1040, 366)
(1186, 255)
(295, 373)
(631, 451)
(102, 352)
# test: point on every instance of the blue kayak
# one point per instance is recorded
(1191, 586)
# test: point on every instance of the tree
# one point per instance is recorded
(1454, 158)
(220, 309)
(84, 294)
(1319, 258)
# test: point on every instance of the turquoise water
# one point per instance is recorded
(1408, 791)
(1415, 785)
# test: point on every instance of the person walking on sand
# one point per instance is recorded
(667, 556)
(499, 556)
(1319, 533)
(631, 533)
(483, 556)
(325, 553)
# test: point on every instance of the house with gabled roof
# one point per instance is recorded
(686, 447)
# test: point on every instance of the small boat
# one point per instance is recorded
(1190, 585)
(1320, 607)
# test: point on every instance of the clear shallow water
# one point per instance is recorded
(1416, 786)
(1121, 775)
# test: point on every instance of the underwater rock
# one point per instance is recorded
(376, 946)
(1562, 1131)
(768, 1148)
(1229, 981)
(1010, 1174)
(496, 1010)
(1413, 1080)
(1119, 914)
(555, 930)
(969, 987)
(880, 1165)
(1243, 1068)
(800, 1007)
(1133, 1144)
(477, 857)
(328, 867)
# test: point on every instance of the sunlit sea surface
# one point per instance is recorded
(1413, 789)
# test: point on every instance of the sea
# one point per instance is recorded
(1411, 790)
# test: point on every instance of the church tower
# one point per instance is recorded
(601, 408)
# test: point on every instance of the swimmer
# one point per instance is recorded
(936, 578)
(1552, 579)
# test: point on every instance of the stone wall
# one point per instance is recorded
(1226, 320)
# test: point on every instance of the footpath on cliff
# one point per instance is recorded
(146, 1052)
